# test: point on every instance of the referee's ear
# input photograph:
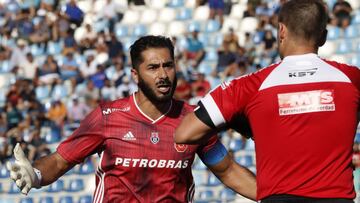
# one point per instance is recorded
(322, 39)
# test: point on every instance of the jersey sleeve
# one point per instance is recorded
(212, 152)
(352, 72)
(85, 140)
(227, 101)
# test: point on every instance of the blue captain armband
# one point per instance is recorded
(214, 155)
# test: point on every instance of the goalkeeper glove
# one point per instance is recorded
(22, 172)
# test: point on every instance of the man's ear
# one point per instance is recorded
(135, 75)
(282, 32)
(322, 38)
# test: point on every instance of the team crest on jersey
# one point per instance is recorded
(154, 138)
(180, 147)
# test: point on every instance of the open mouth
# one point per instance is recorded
(164, 88)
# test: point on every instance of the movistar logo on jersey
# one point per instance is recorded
(151, 163)
(111, 110)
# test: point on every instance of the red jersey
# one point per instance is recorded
(139, 161)
(303, 115)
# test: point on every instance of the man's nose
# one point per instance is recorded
(162, 72)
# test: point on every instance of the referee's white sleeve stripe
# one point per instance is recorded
(213, 110)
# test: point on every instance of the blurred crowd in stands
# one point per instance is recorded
(60, 76)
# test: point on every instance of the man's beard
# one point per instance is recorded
(150, 93)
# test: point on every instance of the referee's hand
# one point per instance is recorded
(22, 172)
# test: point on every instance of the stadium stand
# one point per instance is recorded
(28, 96)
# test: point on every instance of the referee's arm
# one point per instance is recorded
(192, 130)
(237, 177)
(196, 127)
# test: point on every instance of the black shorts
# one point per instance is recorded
(299, 199)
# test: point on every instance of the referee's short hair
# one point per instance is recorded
(147, 42)
(306, 20)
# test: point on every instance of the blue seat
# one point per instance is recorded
(86, 168)
(205, 68)
(101, 25)
(213, 180)
(236, 144)
(26, 200)
(330, 3)
(3, 92)
(199, 165)
(42, 92)
(5, 66)
(176, 3)
(351, 31)
(357, 47)
(36, 50)
(70, 172)
(250, 145)
(355, 60)
(128, 42)
(211, 55)
(59, 91)
(54, 48)
(258, 37)
(245, 160)
(344, 47)
(13, 7)
(212, 26)
(333, 33)
(217, 40)
(206, 195)
(66, 199)
(76, 185)
(4, 173)
(13, 189)
(356, 18)
(140, 30)
(204, 39)
(184, 14)
(57, 186)
(53, 137)
(121, 31)
(357, 137)
(194, 25)
(47, 199)
(7, 200)
(227, 194)
(110, 71)
(85, 199)
(200, 179)
(80, 59)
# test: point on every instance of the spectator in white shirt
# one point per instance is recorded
(88, 68)
(126, 88)
(28, 67)
(108, 92)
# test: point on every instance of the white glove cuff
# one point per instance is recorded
(38, 178)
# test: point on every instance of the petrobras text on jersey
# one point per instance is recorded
(152, 163)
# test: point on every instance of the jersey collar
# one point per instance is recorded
(146, 116)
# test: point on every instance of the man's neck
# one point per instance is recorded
(150, 108)
(299, 49)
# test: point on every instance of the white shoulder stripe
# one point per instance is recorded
(213, 110)
(303, 69)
